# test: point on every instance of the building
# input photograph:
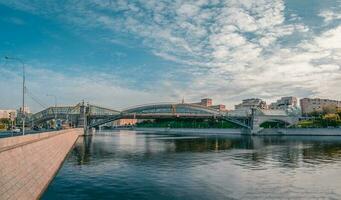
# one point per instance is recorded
(207, 102)
(284, 103)
(124, 122)
(251, 103)
(309, 105)
(219, 107)
(6, 114)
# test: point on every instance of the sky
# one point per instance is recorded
(121, 53)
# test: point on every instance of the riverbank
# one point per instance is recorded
(193, 130)
(302, 132)
(264, 132)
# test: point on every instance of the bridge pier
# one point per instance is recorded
(82, 116)
(257, 119)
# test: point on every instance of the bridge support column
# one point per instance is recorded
(82, 120)
(255, 123)
(255, 129)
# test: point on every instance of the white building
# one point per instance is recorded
(284, 103)
(251, 103)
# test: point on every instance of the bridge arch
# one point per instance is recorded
(168, 110)
(288, 121)
(274, 123)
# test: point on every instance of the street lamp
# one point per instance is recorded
(23, 90)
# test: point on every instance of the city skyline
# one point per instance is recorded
(119, 53)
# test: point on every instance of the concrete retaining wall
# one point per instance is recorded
(264, 132)
(302, 131)
(192, 130)
(28, 163)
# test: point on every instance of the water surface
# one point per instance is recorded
(131, 165)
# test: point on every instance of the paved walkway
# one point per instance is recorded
(28, 163)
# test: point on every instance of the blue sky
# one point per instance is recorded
(119, 53)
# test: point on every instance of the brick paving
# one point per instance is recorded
(28, 163)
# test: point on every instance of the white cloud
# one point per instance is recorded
(330, 39)
(238, 43)
(330, 15)
(99, 89)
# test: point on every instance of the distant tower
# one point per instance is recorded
(183, 100)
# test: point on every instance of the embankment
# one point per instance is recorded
(28, 163)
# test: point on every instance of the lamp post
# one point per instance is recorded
(23, 90)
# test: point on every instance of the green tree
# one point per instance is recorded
(330, 120)
(5, 123)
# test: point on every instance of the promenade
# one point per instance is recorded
(28, 163)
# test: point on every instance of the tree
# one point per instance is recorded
(5, 123)
(330, 119)
(315, 114)
(339, 113)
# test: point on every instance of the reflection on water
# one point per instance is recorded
(130, 165)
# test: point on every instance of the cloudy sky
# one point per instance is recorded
(119, 53)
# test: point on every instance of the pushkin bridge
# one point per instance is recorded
(29, 162)
(91, 116)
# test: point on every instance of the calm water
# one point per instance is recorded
(130, 165)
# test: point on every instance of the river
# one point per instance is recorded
(136, 165)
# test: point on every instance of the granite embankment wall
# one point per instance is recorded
(28, 163)
(302, 132)
(264, 132)
(192, 130)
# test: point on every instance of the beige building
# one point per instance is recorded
(124, 122)
(6, 114)
(309, 105)
(251, 103)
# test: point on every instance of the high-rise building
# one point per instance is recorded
(309, 105)
(251, 103)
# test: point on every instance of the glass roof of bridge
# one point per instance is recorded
(172, 108)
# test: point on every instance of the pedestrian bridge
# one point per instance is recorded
(90, 116)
